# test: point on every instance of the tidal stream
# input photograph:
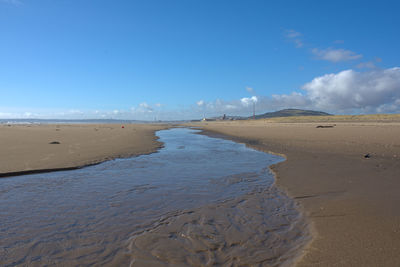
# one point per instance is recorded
(198, 201)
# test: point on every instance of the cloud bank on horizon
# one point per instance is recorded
(348, 91)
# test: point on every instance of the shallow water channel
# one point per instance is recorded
(198, 201)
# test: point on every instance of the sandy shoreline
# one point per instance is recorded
(351, 200)
(249, 228)
(28, 149)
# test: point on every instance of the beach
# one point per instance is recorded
(344, 175)
(42, 147)
(200, 133)
(198, 201)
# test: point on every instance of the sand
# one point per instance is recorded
(136, 220)
(28, 148)
(352, 201)
(250, 230)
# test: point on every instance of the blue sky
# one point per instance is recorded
(182, 59)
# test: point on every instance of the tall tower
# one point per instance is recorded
(254, 109)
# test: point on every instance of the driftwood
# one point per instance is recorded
(54, 143)
(325, 126)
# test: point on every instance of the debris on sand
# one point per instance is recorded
(325, 126)
(54, 143)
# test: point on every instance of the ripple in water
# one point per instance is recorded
(198, 201)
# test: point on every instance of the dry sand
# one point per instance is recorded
(26, 148)
(353, 202)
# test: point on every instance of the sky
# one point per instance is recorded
(170, 59)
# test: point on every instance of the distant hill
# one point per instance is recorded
(291, 113)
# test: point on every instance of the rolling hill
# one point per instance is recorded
(290, 113)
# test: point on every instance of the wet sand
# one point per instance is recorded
(351, 198)
(28, 148)
(352, 201)
(199, 201)
(252, 230)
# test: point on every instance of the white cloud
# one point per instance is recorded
(295, 37)
(248, 100)
(200, 103)
(366, 65)
(335, 55)
(298, 43)
(230, 107)
(292, 34)
(349, 89)
(75, 112)
(144, 107)
(7, 115)
(244, 106)
(142, 111)
(292, 100)
(18, 114)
